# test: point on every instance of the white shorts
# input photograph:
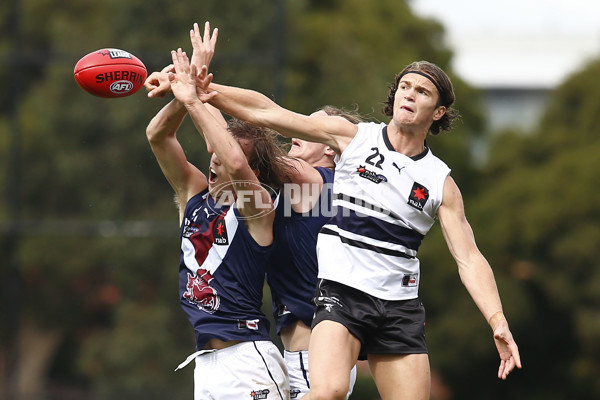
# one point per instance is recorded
(248, 370)
(297, 366)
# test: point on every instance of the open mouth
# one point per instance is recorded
(212, 175)
(295, 142)
(406, 108)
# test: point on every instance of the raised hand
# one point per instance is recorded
(157, 84)
(203, 80)
(183, 83)
(184, 78)
(203, 47)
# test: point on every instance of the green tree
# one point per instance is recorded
(90, 298)
(538, 215)
(94, 246)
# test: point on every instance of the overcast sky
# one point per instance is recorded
(534, 43)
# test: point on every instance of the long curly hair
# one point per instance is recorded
(267, 153)
(446, 95)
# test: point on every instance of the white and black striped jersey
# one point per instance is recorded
(385, 204)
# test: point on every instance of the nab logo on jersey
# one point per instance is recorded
(418, 196)
(409, 280)
(220, 233)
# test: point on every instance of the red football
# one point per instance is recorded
(110, 73)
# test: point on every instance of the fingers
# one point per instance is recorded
(203, 44)
(503, 371)
(206, 31)
(153, 84)
(182, 71)
(195, 35)
(181, 63)
(203, 80)
(506, 366)
(207, 80)
(515, 353)
(198, 39)
(150, 84)
(213, 39)
(177, 57)
(198, 73)
(168, 68)
(174, 59)
(172, 77)
(158, 92)
(206, 97)
(202, 73)
(508, 351)
(207, 36)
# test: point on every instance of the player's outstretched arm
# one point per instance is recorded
(185, 179)
(253, 107)
(203, 52)
(254, 200)
(476, 274)
(158, 85)
(258, 109)
(184, 88)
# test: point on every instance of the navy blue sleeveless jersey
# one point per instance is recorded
(221, 273)
(292, 272)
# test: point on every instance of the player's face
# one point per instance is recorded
(219, 179)
(415, 102)
(310, 152)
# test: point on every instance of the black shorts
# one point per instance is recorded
(381, 326)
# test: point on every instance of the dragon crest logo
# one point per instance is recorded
(200, 293)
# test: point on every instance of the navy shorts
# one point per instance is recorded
(381, 326)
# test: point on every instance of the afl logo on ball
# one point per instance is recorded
(121, 87)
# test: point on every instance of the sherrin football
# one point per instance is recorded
(110, 73)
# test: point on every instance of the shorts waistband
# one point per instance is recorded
(223, 352)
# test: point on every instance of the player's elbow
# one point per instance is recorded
(236, 163)
(267, 114)
(152, 131)
(157, 131)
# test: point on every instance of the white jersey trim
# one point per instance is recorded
(373, 242)
(215, 254)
